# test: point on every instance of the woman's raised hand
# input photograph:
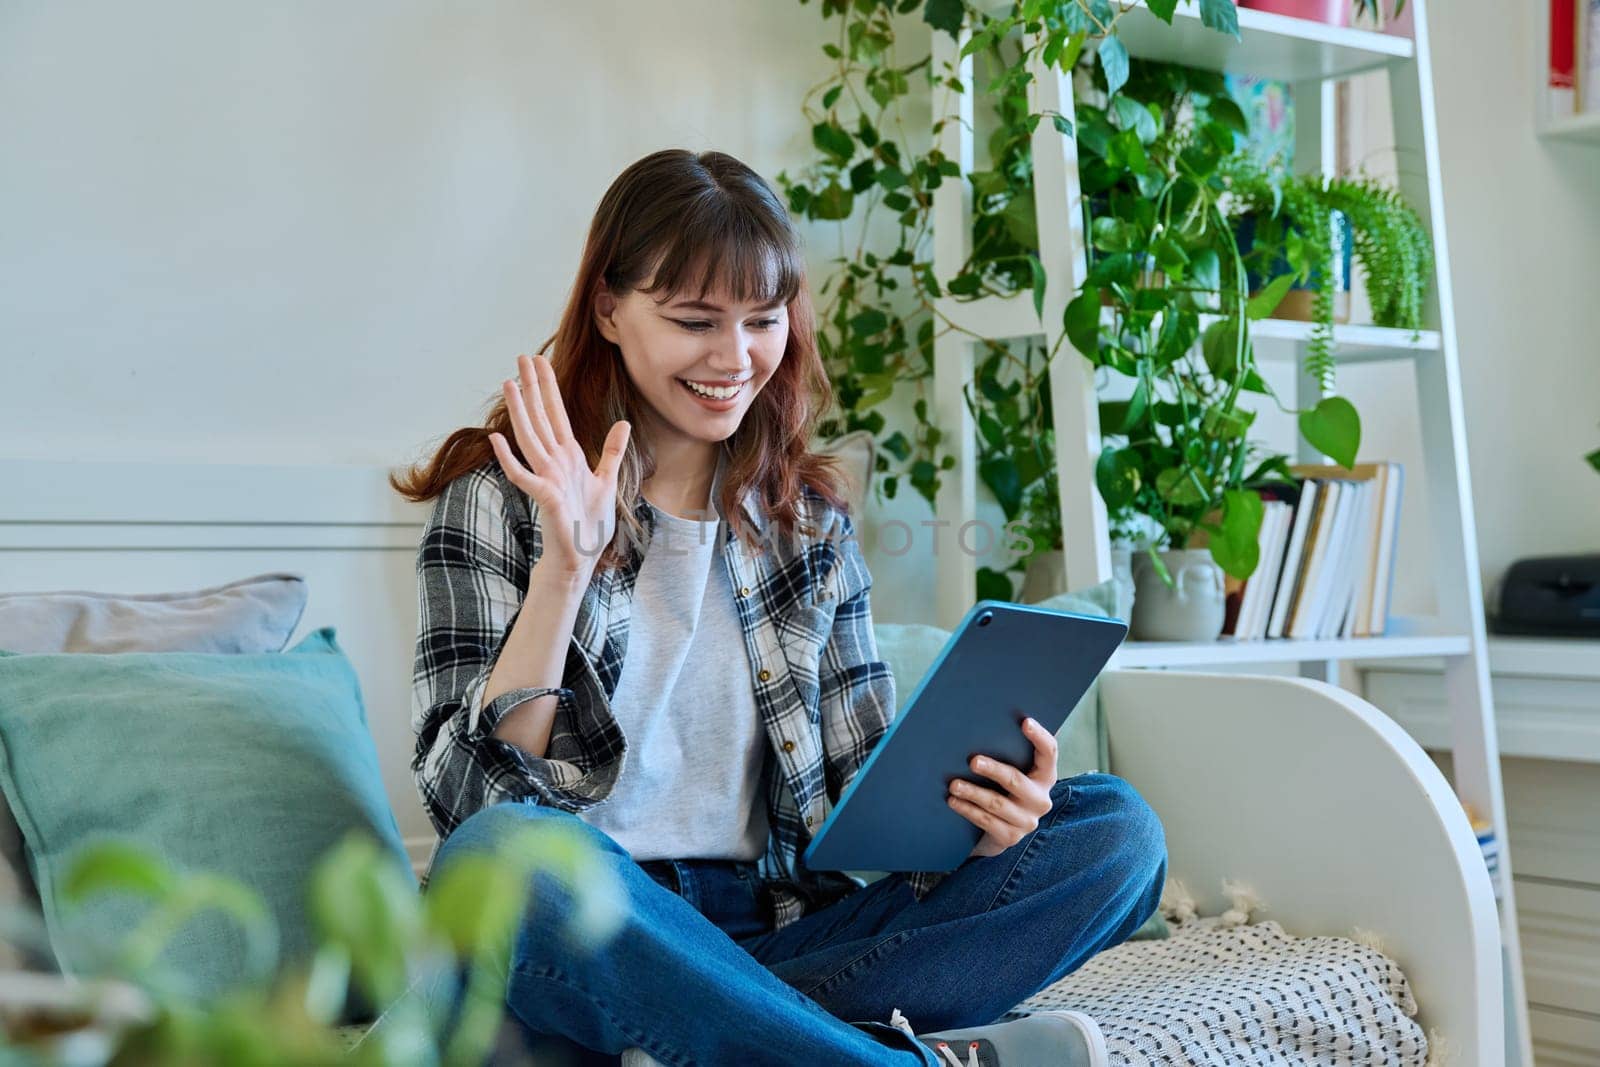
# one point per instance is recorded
(577, 506)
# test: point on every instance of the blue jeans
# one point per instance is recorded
(699, 976)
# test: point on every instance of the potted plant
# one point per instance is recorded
(1277, 218)
(881, 313)
(1165, 308)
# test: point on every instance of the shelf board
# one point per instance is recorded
(1575, 658)
(1352, 343)
(1271, 46)
(1407, 637)
(1013, 316)
(1585, 127)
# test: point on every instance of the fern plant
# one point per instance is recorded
(1295, 218)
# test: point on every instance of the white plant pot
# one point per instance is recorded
(1122, 572)
(1190, 611)
(1044, 577)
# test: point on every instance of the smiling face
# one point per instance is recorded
(727, 349)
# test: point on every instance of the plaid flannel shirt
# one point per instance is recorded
(823, 693)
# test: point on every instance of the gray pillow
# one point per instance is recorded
(856, 452)
(251, 615)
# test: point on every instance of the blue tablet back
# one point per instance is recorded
(1003, 663)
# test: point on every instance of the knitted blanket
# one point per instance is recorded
(1224, 991)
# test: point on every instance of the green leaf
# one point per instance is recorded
(1082, 323)
(362, 904)
(1234, 546)
(869, 322)
(1176, 486)
(862, 176)
(1163, 9)
(1170, 255)
(117, 865)
(831, 97)
(1113, 235)
(892, 177)
(1000, 474)
(1116, 475)
(1074, 49)
(1205, 270)
(1119, 267)
(1019, 220)
(1594, 459)
(1254, 383)
(1220, 347)
(1114, 62)
(944, 15)
(1225, 111)
(834, 203)
(1135, 116)
(1038, 285)
(1220, 15)
(965, 284)
(1334, 429)
(1226, 424)
(1112, 413)
(1266, 302)
(833, 139)
(1137, 405)
(1061, 125)
(994, 585)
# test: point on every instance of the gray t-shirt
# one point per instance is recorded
(696, 747)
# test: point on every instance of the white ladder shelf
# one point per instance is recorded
(1310, 56)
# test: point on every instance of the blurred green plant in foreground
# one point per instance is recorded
(433, 964)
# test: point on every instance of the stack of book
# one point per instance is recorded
(1327, 548)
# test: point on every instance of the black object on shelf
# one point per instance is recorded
(1550, 596)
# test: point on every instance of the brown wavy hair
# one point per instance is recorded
(687, 218)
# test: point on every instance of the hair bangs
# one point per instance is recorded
(731, 255)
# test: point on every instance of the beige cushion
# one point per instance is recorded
(256, 614)
(856, 452)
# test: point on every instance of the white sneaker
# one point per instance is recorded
(638, 1057)
(1053, 1038)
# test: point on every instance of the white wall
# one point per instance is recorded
(323, 232)
(1523, 223)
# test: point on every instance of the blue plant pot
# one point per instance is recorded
(1297, 304)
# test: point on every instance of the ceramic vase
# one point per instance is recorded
(1190, 611)
(1044, 577)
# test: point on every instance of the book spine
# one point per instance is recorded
(1303, 514)
(1283, 516)
(1381, 614)
(1311, 574)
(1563, 66)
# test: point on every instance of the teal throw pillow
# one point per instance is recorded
(247, 765)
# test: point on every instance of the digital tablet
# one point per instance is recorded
(1004, 663)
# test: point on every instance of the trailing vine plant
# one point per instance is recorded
(1389, 239)
(879, 319)
(874, 335)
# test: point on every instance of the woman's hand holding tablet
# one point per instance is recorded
(925, 799)
(1007, 816)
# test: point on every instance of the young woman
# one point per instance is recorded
(644, 612)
